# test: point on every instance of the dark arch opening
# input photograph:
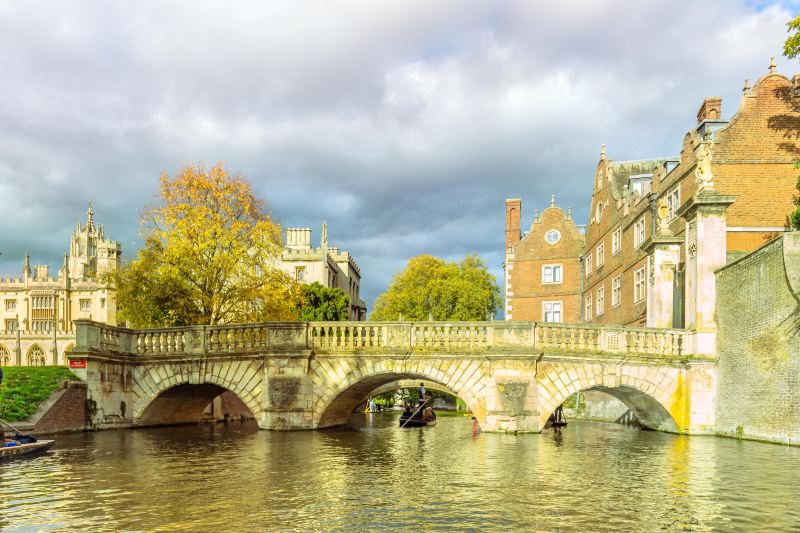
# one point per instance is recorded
(191, 404)
(340, 409)
(646, 409)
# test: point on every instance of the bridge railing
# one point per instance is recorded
(445, 337)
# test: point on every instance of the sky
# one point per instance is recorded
(404, 125)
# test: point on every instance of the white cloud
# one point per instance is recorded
(405, 125)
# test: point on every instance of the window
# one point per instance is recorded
(552, 236)
(42, 302)
(12, 325)
(86, 304)
(638, 232)
(36, 356)
(639, 285)
(588, 310)
(601, 254)
(11, 305)
(551, 311)
(300, 273)
(601, 301)
(616, 291)
(552, 274)
(673, 201)
(588, 264)
(42, 325)
(616, 241)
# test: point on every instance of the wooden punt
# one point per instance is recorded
(25, 450)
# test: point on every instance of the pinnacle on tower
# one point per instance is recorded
(772, 65)
(552, 200)
(90, 216)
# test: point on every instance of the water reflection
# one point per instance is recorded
(586, 476)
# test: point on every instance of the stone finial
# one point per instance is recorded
(569, 213)
(90, 216)
(602, 151)
(705, 180)
(324, 238)
(772, 65)
(552, 200)
(536, 215)
(26, 265)
(746, 87)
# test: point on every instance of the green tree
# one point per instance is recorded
(323, 303)
(431, 287)
(208, 257)
(791, 49)
(794, 216)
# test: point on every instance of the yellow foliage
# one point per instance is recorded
(211, 244)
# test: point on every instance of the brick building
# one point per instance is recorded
(649, 217)
(748, 161)
(542, 268)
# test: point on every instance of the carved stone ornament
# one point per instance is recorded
(705, 180)
(691, 233)
(652, 273)
(663, 217)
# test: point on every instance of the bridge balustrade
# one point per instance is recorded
(366, 337)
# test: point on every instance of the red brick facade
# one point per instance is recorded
(542, 270)
(752, 158)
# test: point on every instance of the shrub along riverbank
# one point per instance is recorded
(25, 387)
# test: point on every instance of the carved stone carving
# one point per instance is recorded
(283, 392)
(705, 180)
(513, 395)
(663, 217)
(691, 234)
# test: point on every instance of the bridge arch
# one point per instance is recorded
(411, 384)
(340, 386)
(190, 387)
(653, 394)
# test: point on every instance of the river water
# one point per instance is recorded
(374, 475)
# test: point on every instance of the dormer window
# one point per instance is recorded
(641, 183)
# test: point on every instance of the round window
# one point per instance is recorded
(552, 236)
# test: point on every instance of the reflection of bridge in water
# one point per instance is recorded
(297, 375)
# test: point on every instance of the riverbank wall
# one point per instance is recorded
(758, 344)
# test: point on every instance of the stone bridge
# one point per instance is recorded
(297, 375)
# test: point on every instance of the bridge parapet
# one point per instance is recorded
(382, 337)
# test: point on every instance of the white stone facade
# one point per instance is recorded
(37, 310)
(326, 265)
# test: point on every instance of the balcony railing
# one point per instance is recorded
(382, 337)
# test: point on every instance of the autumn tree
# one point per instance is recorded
(209, 255)
(324, 303)
(430, 287)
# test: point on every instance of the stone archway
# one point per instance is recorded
(65, 353)
(340, 386)
(185, 384)
(5, 358)
(654, 395)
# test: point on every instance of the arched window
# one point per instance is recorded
(36, 356)
(5, 359)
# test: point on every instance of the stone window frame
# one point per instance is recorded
(552, 304)
(616, 241)
(42, 302)
(300, 273)
(588, 265)
(11, 304)
(553, 267)
(639, 232)
(616, 291)
(11, 325)
(587, 313)
(639, 285)
(600, 302)
(87, 307)
(601, 254)
(673, 201)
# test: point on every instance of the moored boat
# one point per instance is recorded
(25, 450)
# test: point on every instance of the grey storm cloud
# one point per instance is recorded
(405, 125)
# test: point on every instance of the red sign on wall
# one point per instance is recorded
(77, 363)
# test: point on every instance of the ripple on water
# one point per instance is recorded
(587, 477)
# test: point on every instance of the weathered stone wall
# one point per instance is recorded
(758, 344)
(65, 412)
(600, 406)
